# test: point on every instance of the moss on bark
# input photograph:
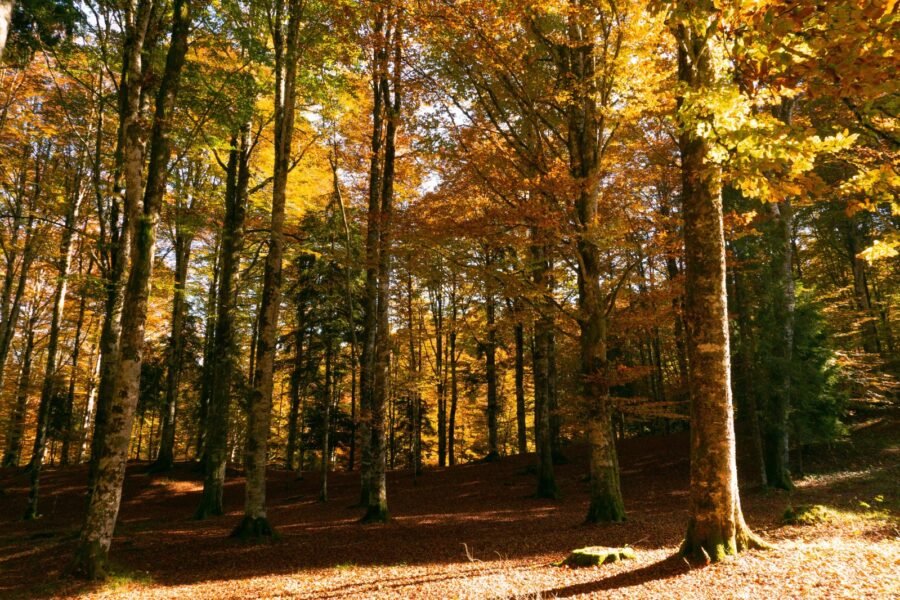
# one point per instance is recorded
(376, 513)
(90, 561)
(593, 556)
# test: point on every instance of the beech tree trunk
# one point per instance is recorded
(519, 334)
(716, 526)
(52, 382)
(223, 356)
(6, 9)
(376, 349)
(68, 428)
(255, 523)
(543, 330)
(165, 457)
(103, 508)
(490, 363)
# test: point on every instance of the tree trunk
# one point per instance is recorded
(520, 389)
(89, 408)
(6, 10)
(543, 330)
(103, 509)
(70, 395)
(490, 363)
(255, 523)
(165, 457)
(716, 527)
(223, 357)
(386, 115)
(52, 382)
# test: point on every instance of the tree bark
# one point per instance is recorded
(6, 10)
(543, 330)
(255, 523)
(103, 508)
(223, 356)
(165, 457)
(52, 382)
(716, 526)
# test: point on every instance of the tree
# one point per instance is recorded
(716, 527)
(103, 508)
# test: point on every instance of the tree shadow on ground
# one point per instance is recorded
(670, 567)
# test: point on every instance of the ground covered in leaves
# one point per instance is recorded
(473, 531)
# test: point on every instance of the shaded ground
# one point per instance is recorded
(472, 531)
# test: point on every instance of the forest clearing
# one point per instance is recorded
(449, 298)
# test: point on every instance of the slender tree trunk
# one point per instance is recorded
(89, 408)
(223, 357)
(490, 365)
(543, 330)
(51, 385)
(519, 331)
(351, 313)
(296, 381)
(747, 349)
(716, 527)
(165, 457)
(255, 523)
(103, 509)
(386, 115)
(15, 432)
(209, 335)
(326, 419)
(70, 395)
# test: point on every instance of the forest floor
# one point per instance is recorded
(474, 531)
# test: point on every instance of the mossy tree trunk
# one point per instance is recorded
(103, 507)
(716, 526)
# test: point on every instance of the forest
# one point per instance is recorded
(449, 298)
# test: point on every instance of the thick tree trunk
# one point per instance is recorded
(15, 432)
(6, 10)
(103, 508)
(716, 527)
(223, 357)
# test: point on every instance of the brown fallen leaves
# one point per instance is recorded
(472, 531)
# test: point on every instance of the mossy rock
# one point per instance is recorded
(593, 556)
(808, 514)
